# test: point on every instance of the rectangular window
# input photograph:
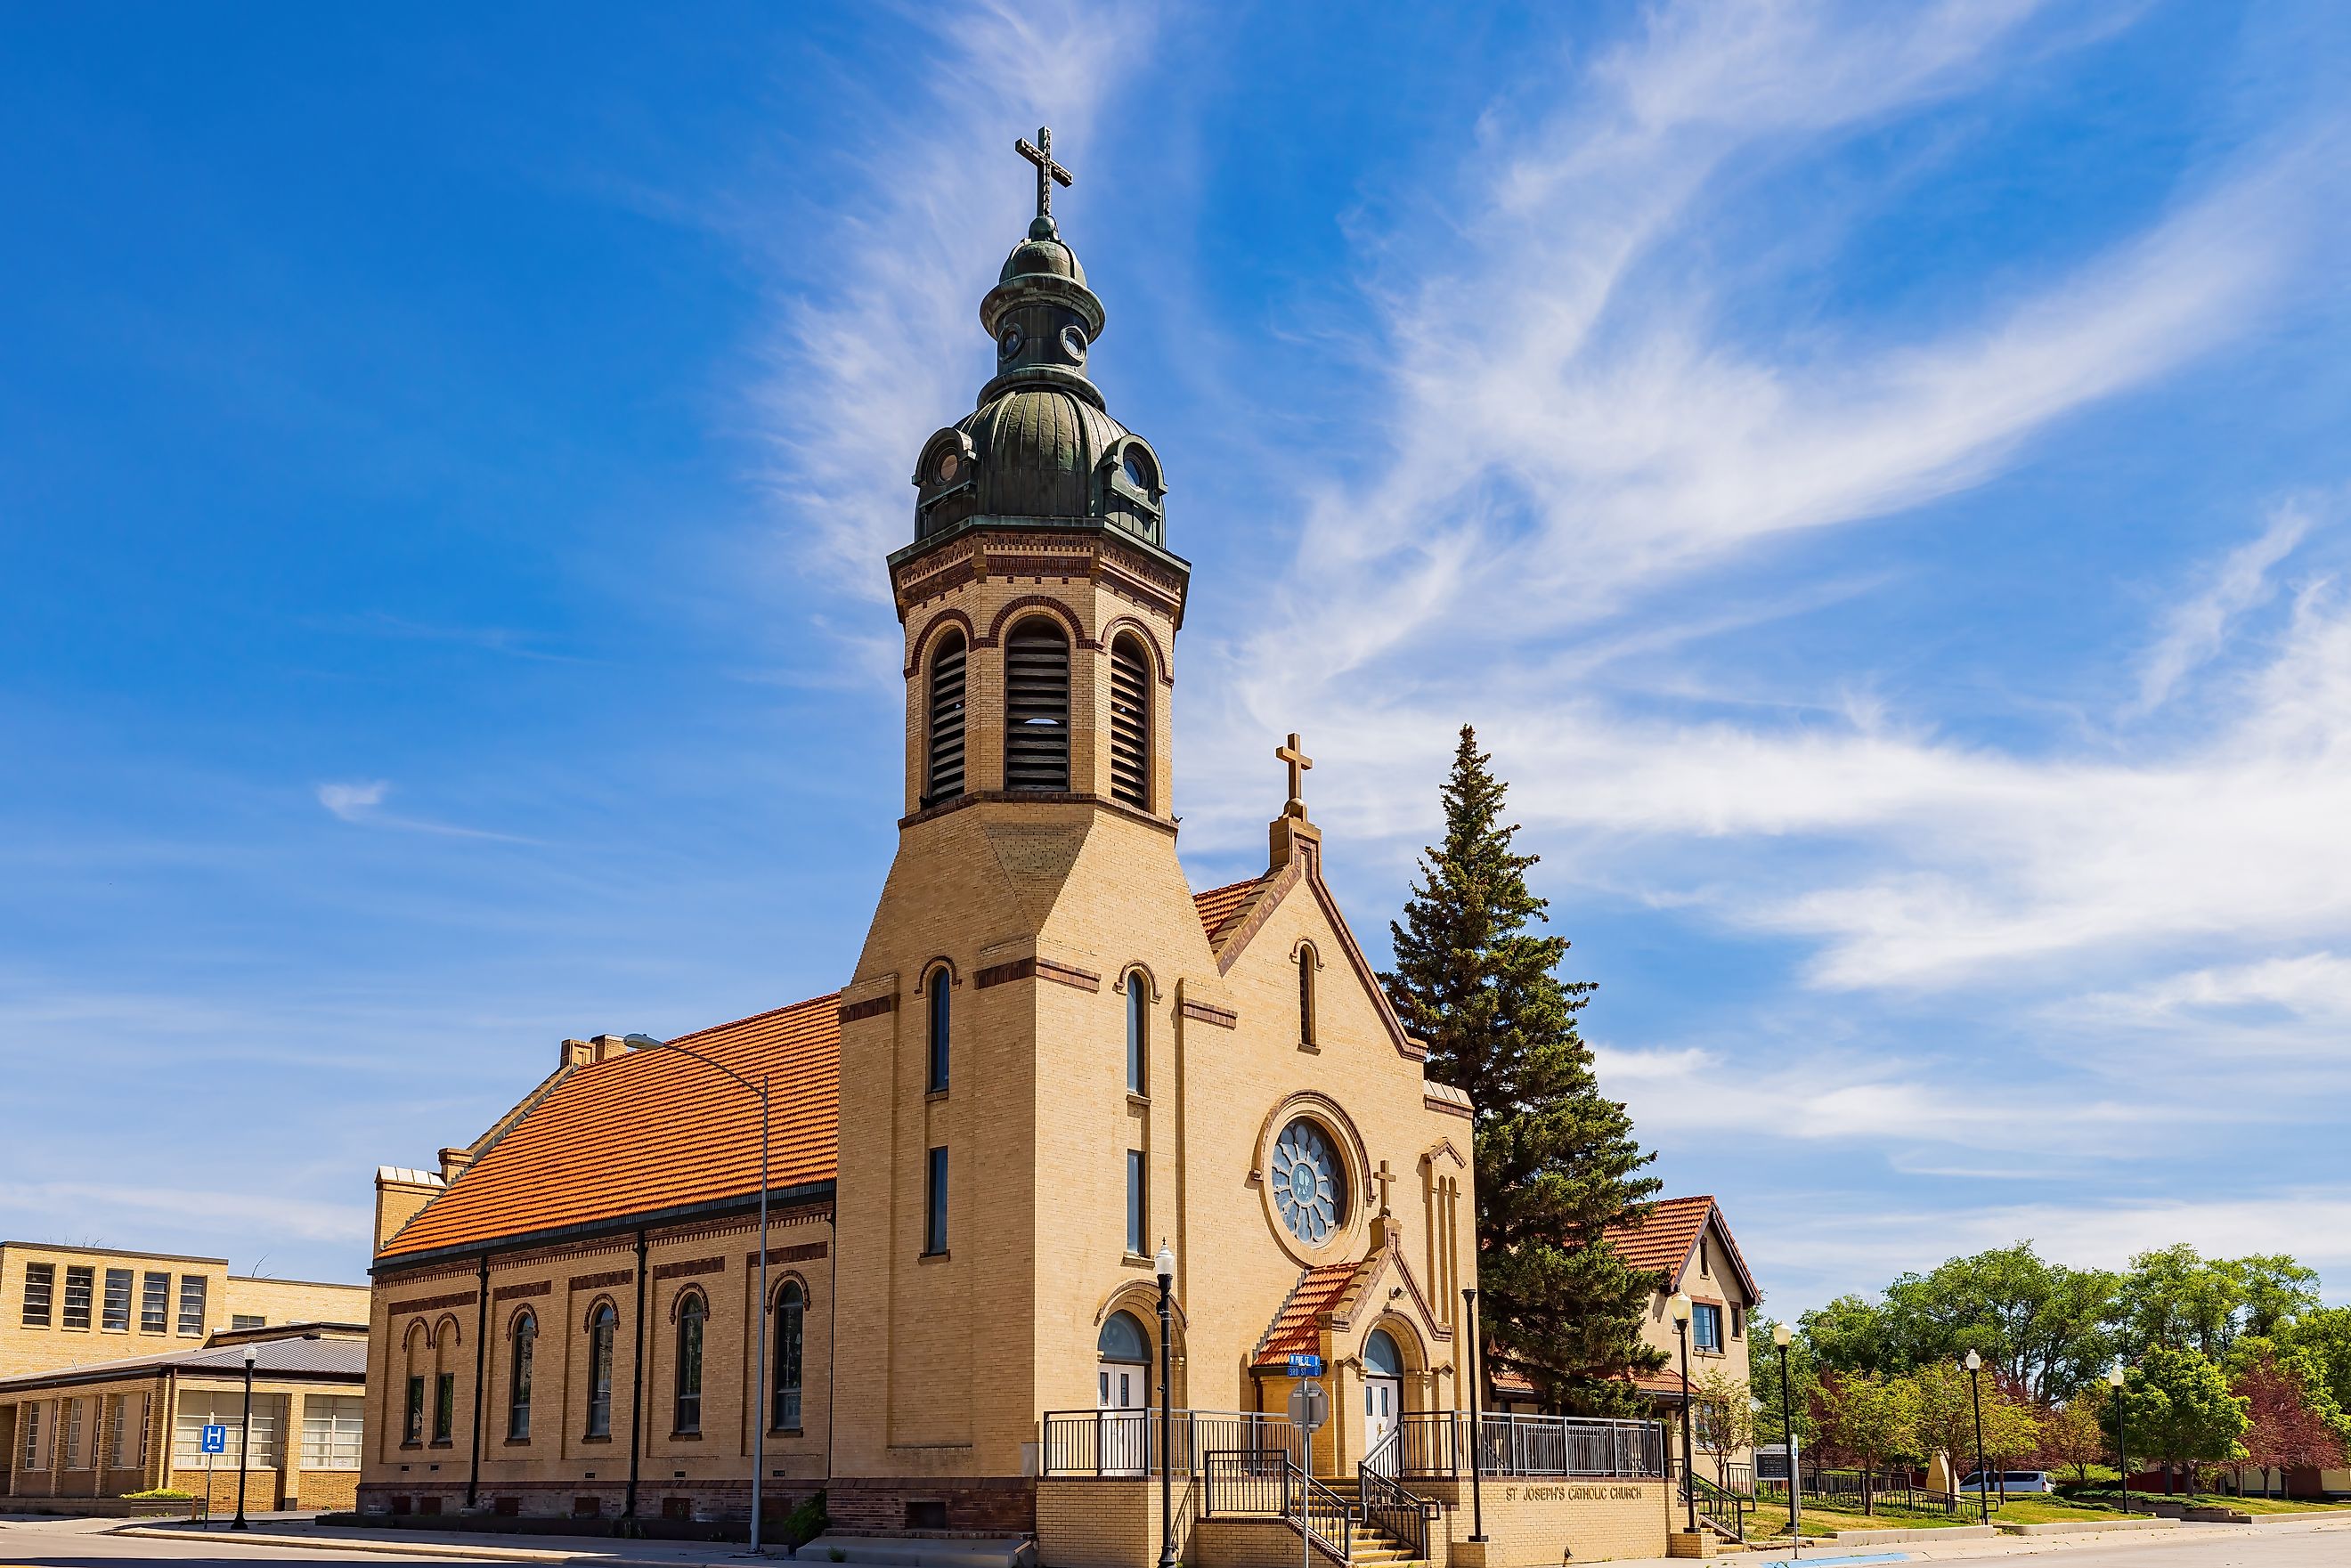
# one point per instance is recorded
(81, 1284)
(118, 1447)
(239, 1322)
(1135, 1204)
(191, 1303)
(40, 1286)
(1706, 1326)
(444, 1406)
(331, 1430)
(33, 1436)
(1737, 1322)
(118, 1300)
(155, 1302)
(226, 1408)
(73, 1417)
(934, 1203)
(412, 1429)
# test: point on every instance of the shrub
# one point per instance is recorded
(160, 1494)
(806, 1523)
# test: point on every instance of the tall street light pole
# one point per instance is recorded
(244, 1441)
(1477, 1443)
(1781, 1336)
(1975, 1389)
(760, 1392)
(1680, 1307)
(2114, 1376)
(1165, 1266)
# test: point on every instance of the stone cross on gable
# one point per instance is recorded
(1299, 763)
(1040, 152)
(1383, 1178)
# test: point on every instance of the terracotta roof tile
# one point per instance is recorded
(1219, 905)
(1663, 1240)
(652, 1129)
(1297, 1327)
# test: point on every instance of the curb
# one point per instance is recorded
(2085, 1526)
(386, 1548)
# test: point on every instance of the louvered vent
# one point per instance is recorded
(947, 720)
(1130, 724)
(1037, 707)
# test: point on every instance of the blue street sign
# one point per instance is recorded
(215, 1439)
(1303, 1366)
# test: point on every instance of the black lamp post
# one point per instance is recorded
(1165, 1264)
(244, 1441)
(1477, 1436)
(1680, 1308)
(2122, 1437)
(1781, 1336)
(1975, 1388)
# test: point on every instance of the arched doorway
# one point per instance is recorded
(1123, 1395)
(1383, 1388)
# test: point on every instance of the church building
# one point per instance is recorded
(1053, 1065)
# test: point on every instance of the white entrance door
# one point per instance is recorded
(1382, 1396)
(1123, 1395)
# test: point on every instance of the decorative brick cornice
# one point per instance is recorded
(434, 1304)
(802, 1253)
(1209, 1013)
(521, 1292)
(872, 1008)
(600, 1281)
(1038, 797)
(1005, 974)
(687, 1269)
(1068, 975)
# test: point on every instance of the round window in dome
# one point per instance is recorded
(1136, 475)
(1009, 343)
(1073, 342)
(1310, 1186)
(949, 464)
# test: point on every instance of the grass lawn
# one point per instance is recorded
(1770, 1520)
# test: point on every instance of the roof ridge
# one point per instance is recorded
(830, 995)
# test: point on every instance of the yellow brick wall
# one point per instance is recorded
(1536, 1523)
(280, 1302)
(25, 1349)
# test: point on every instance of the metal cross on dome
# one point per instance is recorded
(1040, 152)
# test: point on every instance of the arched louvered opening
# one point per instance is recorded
(945, 772)
(1130, 722)
(1036, 707)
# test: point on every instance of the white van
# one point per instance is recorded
(2010, 1481)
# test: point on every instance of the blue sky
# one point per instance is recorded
(1875, 477)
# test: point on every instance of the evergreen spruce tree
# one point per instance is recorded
(1557, 1163)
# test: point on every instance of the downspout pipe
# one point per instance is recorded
(481, 1359)
(636, 1386)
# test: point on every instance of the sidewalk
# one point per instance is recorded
(300, 1535)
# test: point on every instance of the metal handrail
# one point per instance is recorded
(1436, 1443)
(1267, 1483)
(1388, 1506)
(1323, 1516)
(1126, 1442)
(1724, 1509)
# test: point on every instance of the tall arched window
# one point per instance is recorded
(1129, 721)
(690, 1315)
(1307, 963)
(525, 1346)
(602, 1328)
(944, 773)
(1138, 1027)
(1036, 707)
(935, 1074)
(791, 1325)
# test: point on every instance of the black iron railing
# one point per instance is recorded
(1437, 1443)
(1126, 1442)
(1267, 1484)
(1388, 1506)
(1723, 1509)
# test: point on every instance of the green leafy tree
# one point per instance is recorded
(2292, 1420)
(1724, 1419)
(2012, 1427)
(2040, 1324)
(1557, 1161)
(2324, 1336)
(1943, 1415)
(1867, 1418)
(2181, 1411)
(2174, 1296)
(1851, 1335)
(2074, 1437)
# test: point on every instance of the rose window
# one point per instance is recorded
(1310, 1189)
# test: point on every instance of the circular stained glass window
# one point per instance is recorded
(1310, 1186)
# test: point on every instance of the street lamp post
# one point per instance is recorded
(2122, 1437)
(760, 1392)
(1477, 1438)
(1781, 1336)
(1165, 1265)
(1975, 1388)
(1680, 1307)
(245, 1440)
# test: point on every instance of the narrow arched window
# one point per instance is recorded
(1306, 962)
(1130, 722)
(1138, 1027)
(602, 1327)
(690, 1316)
(791, 1323)
(1036, 707)
(934, 1075)
(525, 1347)
(944, 777)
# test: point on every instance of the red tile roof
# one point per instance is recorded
(652, 1129)
(1298, 1327)
(1663, 1239)
(1219, 905)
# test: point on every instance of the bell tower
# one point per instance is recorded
(988, 1126)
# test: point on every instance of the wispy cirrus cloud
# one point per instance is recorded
(2195, 630)
(360, 803)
